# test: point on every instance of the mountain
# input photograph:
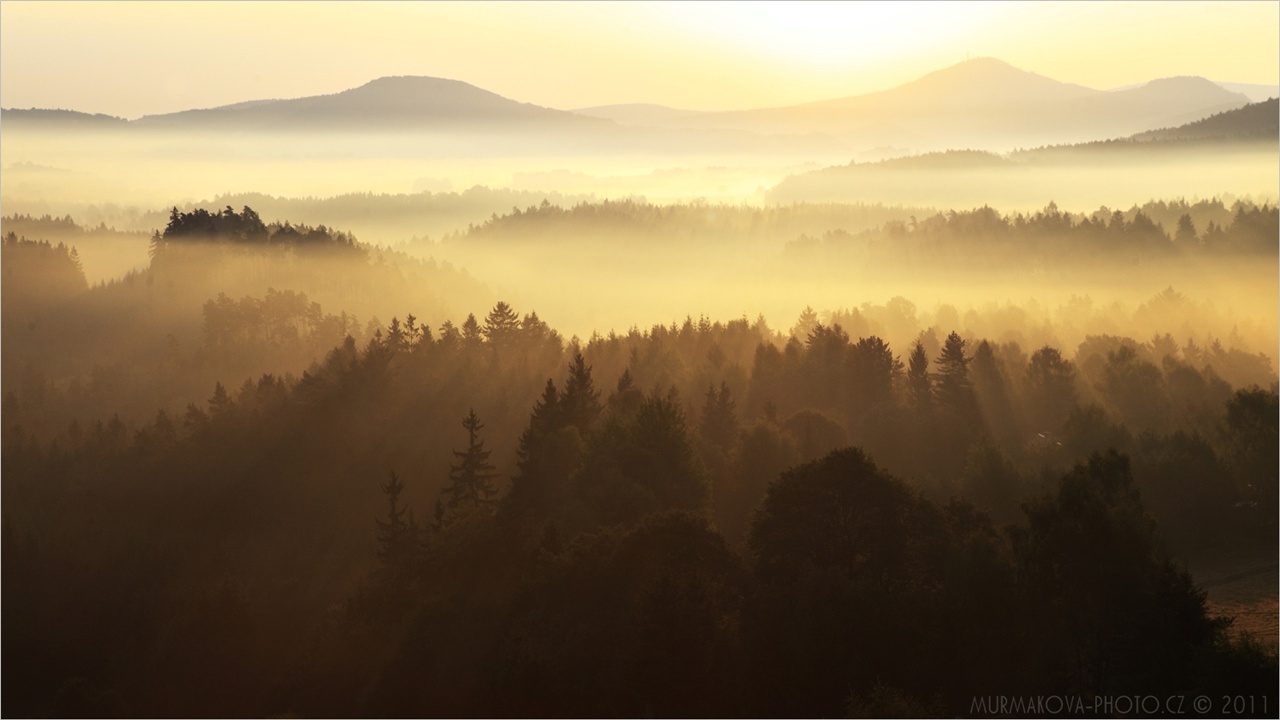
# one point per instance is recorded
(1233, 151)
(35, 117)
(1170, 101)
(389, 103)
(1254, 91)
(986, 103)
(1256, 121)
(435, 117)
(978, 83)
(983, 104)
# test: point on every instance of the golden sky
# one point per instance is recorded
(130, 59)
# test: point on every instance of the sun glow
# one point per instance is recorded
(826, 33)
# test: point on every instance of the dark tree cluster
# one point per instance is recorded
(248, 228)
(487, 520)
(1052, 236)
(227, 224)
(631, 219)
(37, 275)
(202, 310)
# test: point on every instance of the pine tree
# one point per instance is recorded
(625, 399)
(502, 326)
(873, 370)
(546, 418)
(991, 393)
(471, 480)
(954, 389)
(471, 333)
(719, 424)
(450, 338)
(396, 340)
(805, 324)
(220, 402)
(1050, 389)
(1186, 235)
(580, 403)
(529, 487)
(397, 536)
(919, 384)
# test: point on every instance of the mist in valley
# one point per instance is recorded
(414, 399)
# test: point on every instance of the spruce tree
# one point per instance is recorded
(471, 333)
(919, 384)
(397, 535)
(955, 391)
(530, 485)
(719, 424)
(580, 403)
(546, 418)
(471, 480)
(502, 326)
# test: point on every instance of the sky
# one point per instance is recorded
(130, 59)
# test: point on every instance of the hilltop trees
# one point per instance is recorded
(245, 228)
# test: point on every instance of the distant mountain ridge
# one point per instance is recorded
(987, 103)
(400, 102)
(974, 83)
(1258, 120)
(1253, 129)
(65, 118)
(984, 104)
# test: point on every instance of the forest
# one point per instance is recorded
(231, 489)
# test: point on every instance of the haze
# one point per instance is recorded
(699, 56)
(622, 359)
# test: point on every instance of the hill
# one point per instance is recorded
(36, 117)
(1232, 151)
(437, 117)
(1259, 120)
(403, 102)
(982, 104)
(987, 104)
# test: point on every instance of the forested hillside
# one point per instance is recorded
(347, 370)
(223, 296)
(450, 521)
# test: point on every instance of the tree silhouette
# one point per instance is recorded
(472, 336)
(719, 424)
(831, 536)
(1050, 389)
(805, 324)
(536, 465)
(1251, 434)
(873, 370)
(993, 399)
(397, 536)
(955, 392)
(1114, 611)
(502, 326)
(471, 479)
(919, 383)
(580, 403)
